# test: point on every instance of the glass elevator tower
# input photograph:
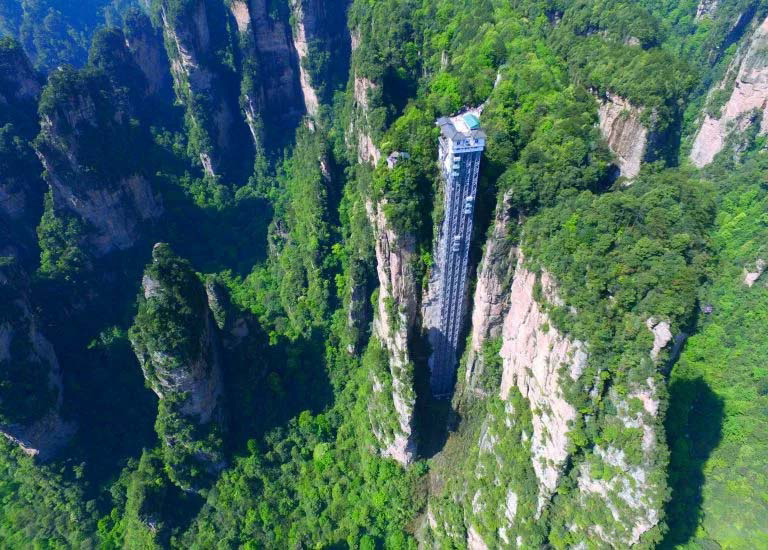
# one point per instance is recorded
(461, 146)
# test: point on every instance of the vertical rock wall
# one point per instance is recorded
(30, 376)
(177, 343)
(306, 24)
(322, 42)
(367, 151)
(746, 103)
(623, 131)
(491, 298)
(201, 82)
(85, 136)
(146, 46)
(534, 354)
(533, 430)
(393, 325)
(278, 66)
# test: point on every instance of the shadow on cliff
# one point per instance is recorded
(435, 418)
(270, 382)
(694, 426)
(232, 236)
(104, 391)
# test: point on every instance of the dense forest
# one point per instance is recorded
(217, 282)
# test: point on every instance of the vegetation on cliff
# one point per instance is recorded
(177, 346)
(252, 329)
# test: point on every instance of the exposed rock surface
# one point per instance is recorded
(146, 46)
(752, 275)
(190, 368)
(81, 170)
(393, 324)
(619, 492)
(20, 185)
(279, 48)
(430, 305)
(632, 494)
(493, 505)
(662, 335)
(242, 14)
(623, 131)
(178, 346)
(188, 42)
(706, 8)
(305, 23)
(474, 540)
(189, 39)
(533, 353)
(280, 84)
(29, 369)
(491, 299)
(367, 151)
(320, 29)
(748, 96)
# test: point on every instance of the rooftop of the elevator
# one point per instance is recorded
(472, 122)
(462, 127)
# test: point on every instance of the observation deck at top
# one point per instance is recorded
(461, 145)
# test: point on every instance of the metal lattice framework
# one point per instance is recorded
(460, 158)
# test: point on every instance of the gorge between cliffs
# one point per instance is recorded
(246, 244)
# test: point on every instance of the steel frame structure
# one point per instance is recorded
(461, 150)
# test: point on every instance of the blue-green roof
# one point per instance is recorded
(472, 121)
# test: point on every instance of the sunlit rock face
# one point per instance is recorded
(492, 290)
(533, 354)
(747, 99)
(393, 325)
(706, 8)
(86, 146)
(627, 137)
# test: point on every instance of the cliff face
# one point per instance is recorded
(359, 132)
(30, 377)
(146, 46)
(706, 8)
(283, 61)
(548, 369)
(625, 492)
(623, 131)
(359, 129)
(747, 82)
(533, 354)
(188, 42)
(534, 430)
(393, 325)
(491, 298)
(20, 186)
(322, 43)
(176, 341)
(306, 27)
(88, 145)
(277, 80)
